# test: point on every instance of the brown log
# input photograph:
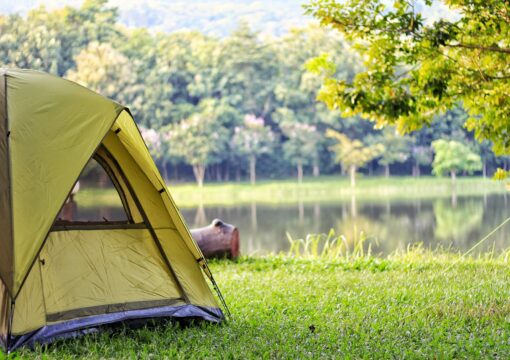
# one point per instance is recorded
(218, 240)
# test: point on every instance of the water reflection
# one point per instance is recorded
(456, 223)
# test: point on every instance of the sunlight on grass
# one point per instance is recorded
(403, 306)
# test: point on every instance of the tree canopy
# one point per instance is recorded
(352, 153)
(172, 81)
(454, 157)
(415, 68)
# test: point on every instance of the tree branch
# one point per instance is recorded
(480, 47)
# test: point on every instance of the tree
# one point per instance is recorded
(452, 156)
(50, 40)
(301, 148)
(103, 69)
(245, 72)
(158, 143)
(352, 154)
(422, 155)
(486, 154)
(252, 140)
(417, 67)
(396, 148)
(198, 140)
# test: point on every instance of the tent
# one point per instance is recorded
(60, 278)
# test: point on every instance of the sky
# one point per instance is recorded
(213, 17)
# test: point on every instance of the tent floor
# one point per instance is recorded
(80, 326)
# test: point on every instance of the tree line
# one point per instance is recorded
(237, 107)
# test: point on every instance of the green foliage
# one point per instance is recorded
(452, 156)
(349, 152)
(396, 147)
(415, 68)
(49, 41)
(199, 140)
(105, 70)
(165, 78)
(302, 144)
(253, 138)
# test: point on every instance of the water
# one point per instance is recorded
(455, 224)
(390, 224)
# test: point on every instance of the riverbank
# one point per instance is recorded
(321, 189)
(415, 305)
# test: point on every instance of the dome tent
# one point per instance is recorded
(59, 278)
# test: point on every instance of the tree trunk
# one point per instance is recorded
(165, 171)
(238, 174)
(227, 173)
(453, 175)
(218, 172)
(352, 174)
(199, 172)
(387, 170)
(484, 169)
(316, 168)
(300, 171)
(416, 169)
(217, 240)
(253, 166)
(176, 172)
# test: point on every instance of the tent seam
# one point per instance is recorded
(9, 177)
(8, 285)
(42, 292)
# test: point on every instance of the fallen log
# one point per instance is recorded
(218, 240)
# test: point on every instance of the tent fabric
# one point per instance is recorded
(161, 220)
(55, 127)
(4, 314)
(6, 242)
(67, 277)
(129, 135)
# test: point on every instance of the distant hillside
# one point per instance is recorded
(214, 17)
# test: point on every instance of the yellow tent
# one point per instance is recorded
(59, 278)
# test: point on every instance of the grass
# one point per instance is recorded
(415, 304)
(321, 189)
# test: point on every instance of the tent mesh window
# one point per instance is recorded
(96, 199)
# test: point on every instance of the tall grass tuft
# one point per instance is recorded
(330, 246)
(337, 246)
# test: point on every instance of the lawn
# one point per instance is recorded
(413, 305)
(322, 189)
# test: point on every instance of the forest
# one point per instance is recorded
(239, 107)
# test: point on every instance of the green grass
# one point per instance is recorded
(411, 305)
(323, 189)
